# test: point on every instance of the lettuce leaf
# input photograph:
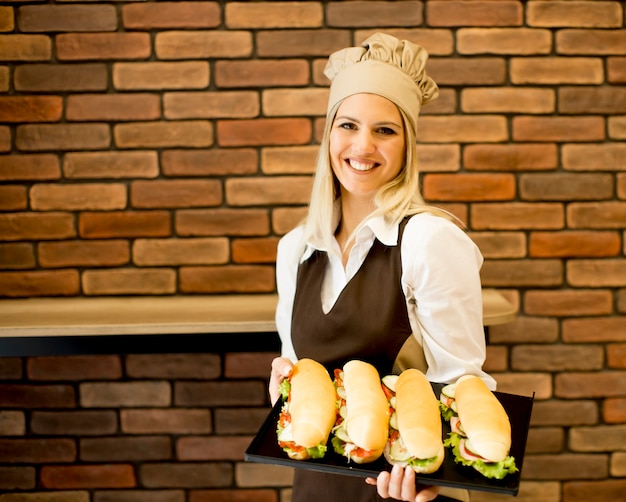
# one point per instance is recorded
(285, 388)
(493, 470)
(446, 412)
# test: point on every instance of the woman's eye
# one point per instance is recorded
(387, 131)
(347, 125)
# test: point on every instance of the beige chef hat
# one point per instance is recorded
(383, 65)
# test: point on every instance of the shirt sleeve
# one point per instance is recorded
(287, 260)
(441, 281)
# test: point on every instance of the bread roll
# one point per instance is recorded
(367, 418)
(312, 405)
(419, 419)
(483, 419)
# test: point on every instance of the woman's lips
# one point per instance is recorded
(361, 166)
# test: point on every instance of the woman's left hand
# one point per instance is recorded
(400, 485)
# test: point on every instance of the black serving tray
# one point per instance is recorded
(264, 449)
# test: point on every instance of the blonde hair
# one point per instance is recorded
(395, 200)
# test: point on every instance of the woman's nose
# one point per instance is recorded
(364, 142)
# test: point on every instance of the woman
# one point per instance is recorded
(374, 273)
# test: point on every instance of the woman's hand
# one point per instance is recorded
(281, 368)
(400, 485)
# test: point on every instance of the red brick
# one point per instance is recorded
(610, 100)
(614, 410)
(575, 243)
(593, 491)
(36, 396)
(367, 14)
(44, 166)
(37, 451)
(566, 186)
(190, 251)
(469, 187)
(95, 46)
(212, 448)
(616, 70)
(573, 303)
(61, 77)
(270, 15)
(46, 18)
(239, 420)
(282, 102)
(222, 222)
(571, 129)
(431, 158)
(590, 384)
(88, 476)
(575, 14)
(17, 478)
(113, 107)
(264, 73)
(507, 100)
(127, 394)
(284, 219)
(26, 48)
(474, 13)
(11, 368)
(268, 191)
(190, 133)
(124, 224)
(17, 256)
(125, 449)
(36, 226)
(299, 43)
(213, 162)
(516, 216)
(227, 279)
(174, 366)
(39, 283)
(30, 108)
(616, 355)
(175, 193)
(111, 164)
(591, 42)
(597, 215)
(248, 364)
(190, 105)
(557, 358)
(598, 157)
(566, 466)
(518, 41)
(78, 196)
(522, 273)
(565, 413)
(186, 475)
(463, 71)
(159, 75)
(525, 329)
(596, 273)
(262, 250)
(557, 70)
(594, 329)
(13, 198)
(129, 281)
(234, 495)
(171, 15)
(462, 129)
(166, 421)
(222, 393)
(206, 44)
(38, 137)
(294, 159)
(73, 423)
(74, 368)
(5, 139)
(265, 131)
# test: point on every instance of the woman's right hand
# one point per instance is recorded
(281, 369)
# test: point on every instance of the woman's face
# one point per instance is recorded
(367, 145)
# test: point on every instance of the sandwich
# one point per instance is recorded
(480, 434)
(362, 427)
(415, 424)
(308, 413)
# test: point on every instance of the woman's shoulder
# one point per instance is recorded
(432, 223)
(290, 244)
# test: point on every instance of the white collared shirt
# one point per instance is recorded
(440, 280)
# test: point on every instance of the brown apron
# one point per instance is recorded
(370, 322)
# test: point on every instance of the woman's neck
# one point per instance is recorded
(353, 212)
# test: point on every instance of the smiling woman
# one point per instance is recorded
(374, 273)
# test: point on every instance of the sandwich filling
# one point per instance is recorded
(284, 429)
(461, 446)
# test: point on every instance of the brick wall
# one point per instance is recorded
(163, 148)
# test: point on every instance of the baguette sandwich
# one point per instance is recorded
(481, 431)
(415, 424)
(308, 413)
(363, 425)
